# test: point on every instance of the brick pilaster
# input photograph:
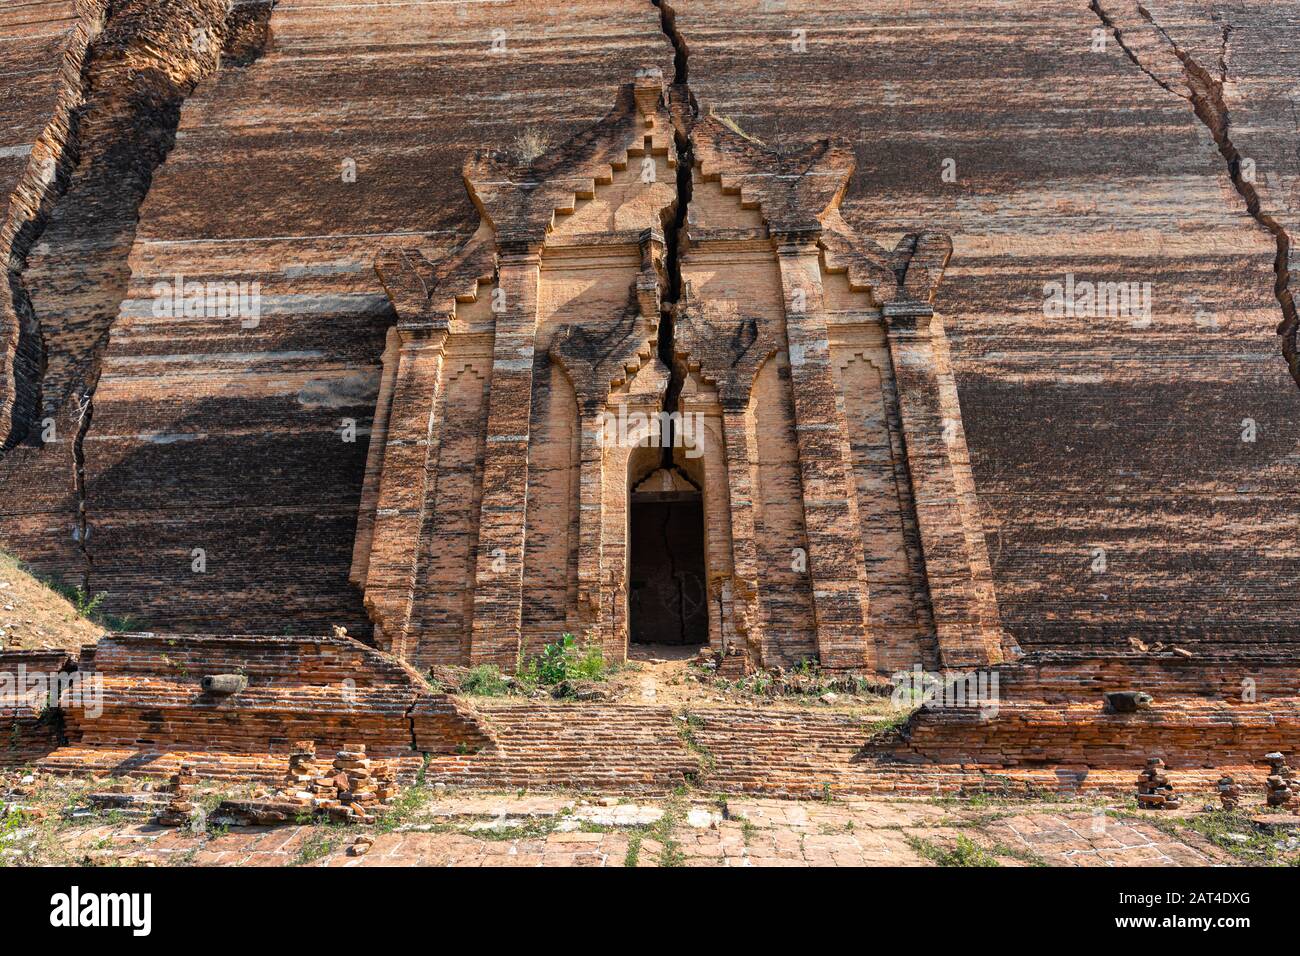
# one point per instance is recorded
(738, 439)
(591, 500)
(965, 638)
(402, 500)
(498, 590)
(835, 562)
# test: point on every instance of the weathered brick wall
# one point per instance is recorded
(1085, 434)
(1216, 710)
(36, 39)
(815, 352)
(136, 68)
(1228, 674)
(45, 45)
(331, 690)
(515, 349)
(229, 439)
(29, 727)
(503, 370)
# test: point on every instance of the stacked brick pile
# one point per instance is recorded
(385, 782)
(180, 809)
(356, 787)
(1280, 787)
(1155, 792)
(1229, 792)
(303, 769)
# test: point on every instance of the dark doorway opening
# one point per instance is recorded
(667, 591)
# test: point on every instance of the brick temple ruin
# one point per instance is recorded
(810, 495)
(646, 382)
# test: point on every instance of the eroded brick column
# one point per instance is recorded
(835, 563)
(591, 500)
(375, 460)
(717, 523)
(498, 580)
(409, 442)
(738, 437)
(965, 639)
(613, 528)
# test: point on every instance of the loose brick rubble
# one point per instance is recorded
(355, 790)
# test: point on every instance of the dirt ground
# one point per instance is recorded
(437, 826)
(34, 616)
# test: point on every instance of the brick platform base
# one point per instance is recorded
(1050, 730)
(154, 710)
(1207, 711)
(208, 764)
(615, 748)
(626, 748)
(29, 728)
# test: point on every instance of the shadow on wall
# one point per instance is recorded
(240, 512)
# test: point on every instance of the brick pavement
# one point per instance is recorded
(559, 830)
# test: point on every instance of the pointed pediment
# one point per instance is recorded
(910, 273)
(424, 289)
(520, 200)
(798, 194)
(794, 190)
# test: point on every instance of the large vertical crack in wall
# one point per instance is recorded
(43, 183)
(1205, 94)
(682, 106)
(143, 59)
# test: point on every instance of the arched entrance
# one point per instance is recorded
(667, 579)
